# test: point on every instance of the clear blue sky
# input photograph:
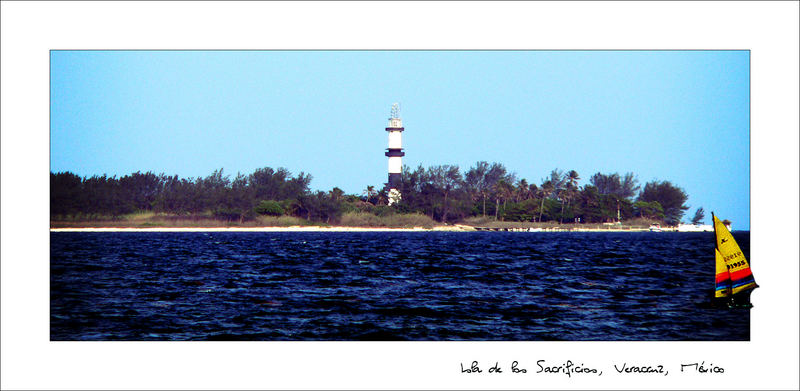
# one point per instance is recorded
(663, 115)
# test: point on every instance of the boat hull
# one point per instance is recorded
(739, 300)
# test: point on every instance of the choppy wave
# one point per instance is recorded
(387, 286)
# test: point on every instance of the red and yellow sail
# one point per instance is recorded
(733, 273)
(723, 280)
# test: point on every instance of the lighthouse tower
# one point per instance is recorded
(394, 153)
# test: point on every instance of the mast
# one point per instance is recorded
(716, 240)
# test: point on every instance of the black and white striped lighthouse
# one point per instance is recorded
(395, 153)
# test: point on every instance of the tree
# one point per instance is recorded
(178, 195)
(533, 191)
(270, 207)
(239, 197)
(563, 196)
(476, 182)
(298, 186)
(557, 180)
(480, 181)
(104, 196)
(445, 179)
(441, 192)
(416, 189)
(502, 190)
(140, 190)
(544, 192)
(336, 194)
(321, 206)
(648, 210)
(521, 211)
(612, 184)
(66, 194)
(292, 207)
(212, 190)
(629, 186)
(522, 191)
(371, 194)
(269, 184)
(572, 178)
(572, 187)
(589, 204)
(569, 181)
(331, 205)
(670, 197)
(699, 214)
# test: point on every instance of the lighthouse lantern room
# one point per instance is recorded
(395, 153)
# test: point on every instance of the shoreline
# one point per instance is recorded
(236, 229)
(453, 228)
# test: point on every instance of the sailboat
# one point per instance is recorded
(734, 280)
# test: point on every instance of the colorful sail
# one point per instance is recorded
(723, 288)
(741, 278)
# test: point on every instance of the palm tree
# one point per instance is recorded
(336, 194)
(522, 191)
(572, 178)
(533, 190)
(563, 196)
(496, 192)
(383, 197)
(698, 216)
(504, 190)
(370, 192)
(544, 191)
(569, 192)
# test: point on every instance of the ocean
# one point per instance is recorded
(386, 286)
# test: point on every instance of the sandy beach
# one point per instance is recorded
(261, 229)
(448, 228)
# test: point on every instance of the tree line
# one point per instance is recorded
(446, 194)
(217, 193)
(443, 192)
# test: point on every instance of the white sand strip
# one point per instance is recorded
(455, 228)
(240, 229)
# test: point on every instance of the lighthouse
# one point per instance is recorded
(394, 153)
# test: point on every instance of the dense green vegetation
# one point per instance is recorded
(438, 193)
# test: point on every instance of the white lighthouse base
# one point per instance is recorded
(394, 196)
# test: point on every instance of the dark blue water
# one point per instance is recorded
(388, 286)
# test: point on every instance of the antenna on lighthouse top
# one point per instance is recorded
(396, 110)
